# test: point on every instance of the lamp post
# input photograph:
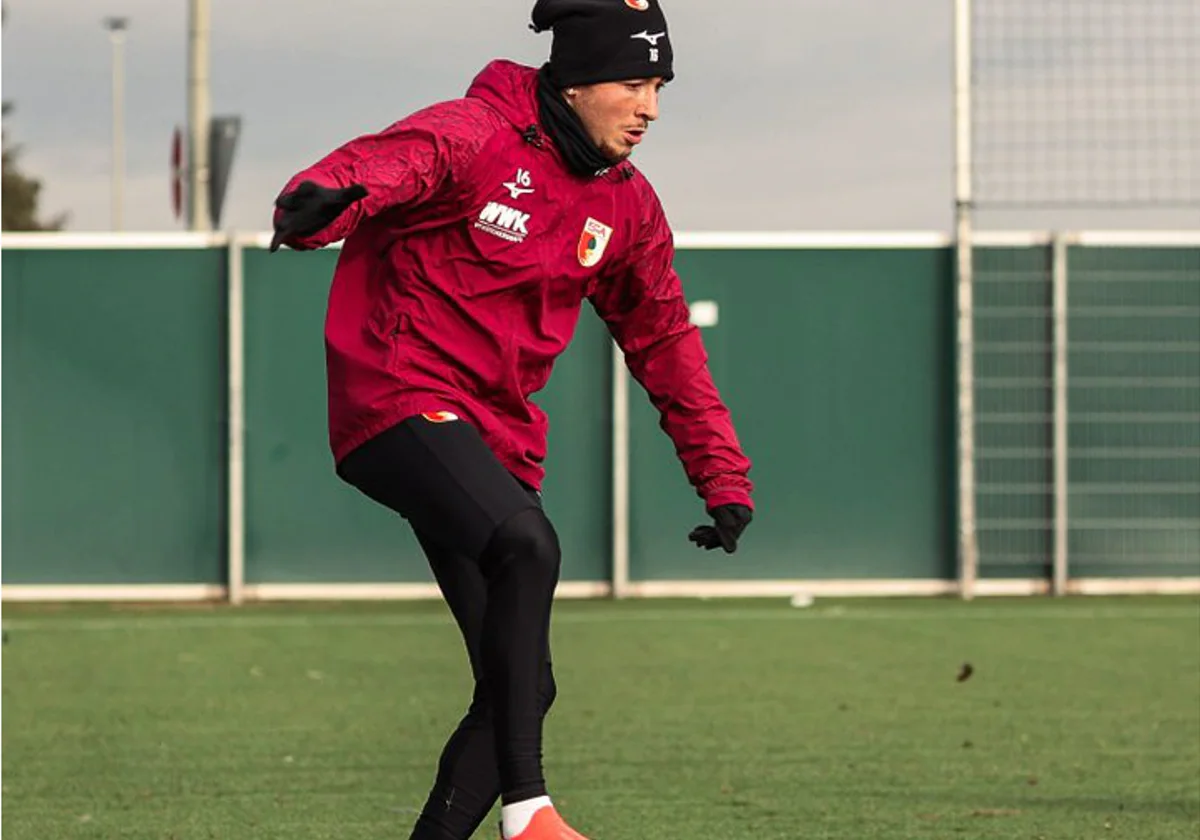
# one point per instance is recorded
(116, 27)
(198, 114)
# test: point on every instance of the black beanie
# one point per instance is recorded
(604, 40)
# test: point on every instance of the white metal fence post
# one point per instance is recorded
(620, 474)
(235, 326)
(968, 548)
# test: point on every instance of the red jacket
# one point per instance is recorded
(463, 272)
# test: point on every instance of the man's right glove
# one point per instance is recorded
(729, 522)
(310, 208)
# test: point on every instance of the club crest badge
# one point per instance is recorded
(440, 416)
(638, 5)
(592, 242)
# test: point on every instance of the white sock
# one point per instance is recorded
(515, 817)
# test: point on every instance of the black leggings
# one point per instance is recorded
(496, 559)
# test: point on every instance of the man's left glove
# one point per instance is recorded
(729, 522)
(310, 208)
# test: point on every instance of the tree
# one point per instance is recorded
(19, 200)
(18, 191)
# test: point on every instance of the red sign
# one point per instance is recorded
(177, 173)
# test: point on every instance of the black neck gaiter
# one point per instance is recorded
(566, 129)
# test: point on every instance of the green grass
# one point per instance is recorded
(716, 720)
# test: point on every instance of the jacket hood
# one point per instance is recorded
(511, 89)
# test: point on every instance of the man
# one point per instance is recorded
(473, 231)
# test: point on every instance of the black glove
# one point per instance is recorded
(730, 521)
(311, 207)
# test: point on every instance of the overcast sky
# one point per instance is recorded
(786, 114)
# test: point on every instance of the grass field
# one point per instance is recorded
(716, 720)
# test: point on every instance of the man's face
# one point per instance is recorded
(616, 114)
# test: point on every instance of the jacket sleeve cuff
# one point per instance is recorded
(727, 496)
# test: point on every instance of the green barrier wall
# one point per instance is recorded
(836, 365)
(114, 416)
(305, 525)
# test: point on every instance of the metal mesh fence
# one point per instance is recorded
(1013, 411)
(1086, 102)
(1079, 352)
(1134, 409)
(1130, 411)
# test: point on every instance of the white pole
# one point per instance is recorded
(116, 27)
(1059, 584)
(237, 423)
(620, 474)
(198, 114)
(968, 546)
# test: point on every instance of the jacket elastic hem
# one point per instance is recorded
(728, 496)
